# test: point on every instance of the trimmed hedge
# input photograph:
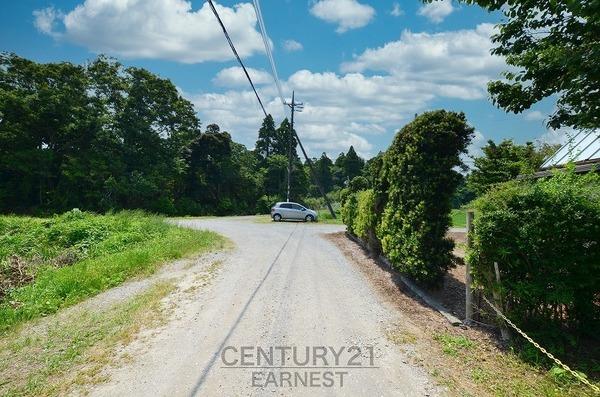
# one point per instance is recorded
(417, 182)
(365, 224)
(545, 237)
(349, 211)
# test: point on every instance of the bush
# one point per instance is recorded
(418, 181)
(365, 222)
(545, 237)
(350, 211)
(314, 203)
(358, 183)
(47, 264)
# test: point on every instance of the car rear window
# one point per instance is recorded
(285, 205)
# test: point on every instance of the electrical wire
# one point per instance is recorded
(214, 10)
(263, 31)
(265, 37)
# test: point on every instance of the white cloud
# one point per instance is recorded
(235, 77)
(292, 46)
(396, 10)
(339, 109)
(559, 136)
(477, 143)
(534, 115)
(155, 29)
(455, 63)
(437, 10)
(45, 19)
(347, 14)
(404, 78)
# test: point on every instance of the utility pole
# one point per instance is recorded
(298, 107)
(295, 107)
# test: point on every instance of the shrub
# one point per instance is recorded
(545, 237)
(358, 183)
(47, 264)
(365, 216)
(315, 203)
(349, 211)
(418, 180)
(366, 219)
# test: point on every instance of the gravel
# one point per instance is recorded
(284, 284)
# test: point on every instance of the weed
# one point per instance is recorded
(106, 250)
(51, 358)
(452, 345)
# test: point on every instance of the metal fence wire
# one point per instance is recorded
(576, 374)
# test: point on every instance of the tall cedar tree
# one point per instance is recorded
(353, 164)
(266, 138)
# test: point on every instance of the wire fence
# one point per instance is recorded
(575, 374)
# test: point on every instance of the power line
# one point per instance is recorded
(265, 37)
(277, 82)
(263, 32)
(214, 10)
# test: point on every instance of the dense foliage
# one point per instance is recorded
(406, 211)
(97, 136)
(349, 212)
(102, 136)
(420, 178)
(46, 264)
(365, 222)
(545, 237)
(553, 47)
(505, 161)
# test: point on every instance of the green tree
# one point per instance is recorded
(97, 136)
(339, 177)
(553, 47)
(417, 181)
(266, 138)
(505, 161)
(275, 178)
(372, 168)
(353, 164)
(281, 143)
(323, 168)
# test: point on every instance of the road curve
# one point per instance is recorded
(283, 289)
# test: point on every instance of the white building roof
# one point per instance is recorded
(582, 148)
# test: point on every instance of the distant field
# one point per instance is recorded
(459, 218)
(50, 263)
(325, 217)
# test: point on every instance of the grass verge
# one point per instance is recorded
(474, 368)
(459, 217)
(468, 362)
(52, 358)
(101, 251)
(324, 218)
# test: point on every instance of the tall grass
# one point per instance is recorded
(66, 258)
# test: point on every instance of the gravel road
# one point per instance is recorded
(282, 295)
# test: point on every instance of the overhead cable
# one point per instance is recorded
(265, 37)
(214, 10)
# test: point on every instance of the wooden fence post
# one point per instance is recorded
(505, 335)
(468, 280)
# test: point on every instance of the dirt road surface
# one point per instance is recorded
(282, 287)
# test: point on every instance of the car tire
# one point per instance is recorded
(309, 218)
(277, 218)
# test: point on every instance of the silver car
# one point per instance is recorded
(287, 210)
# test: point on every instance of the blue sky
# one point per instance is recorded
(362, 67)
